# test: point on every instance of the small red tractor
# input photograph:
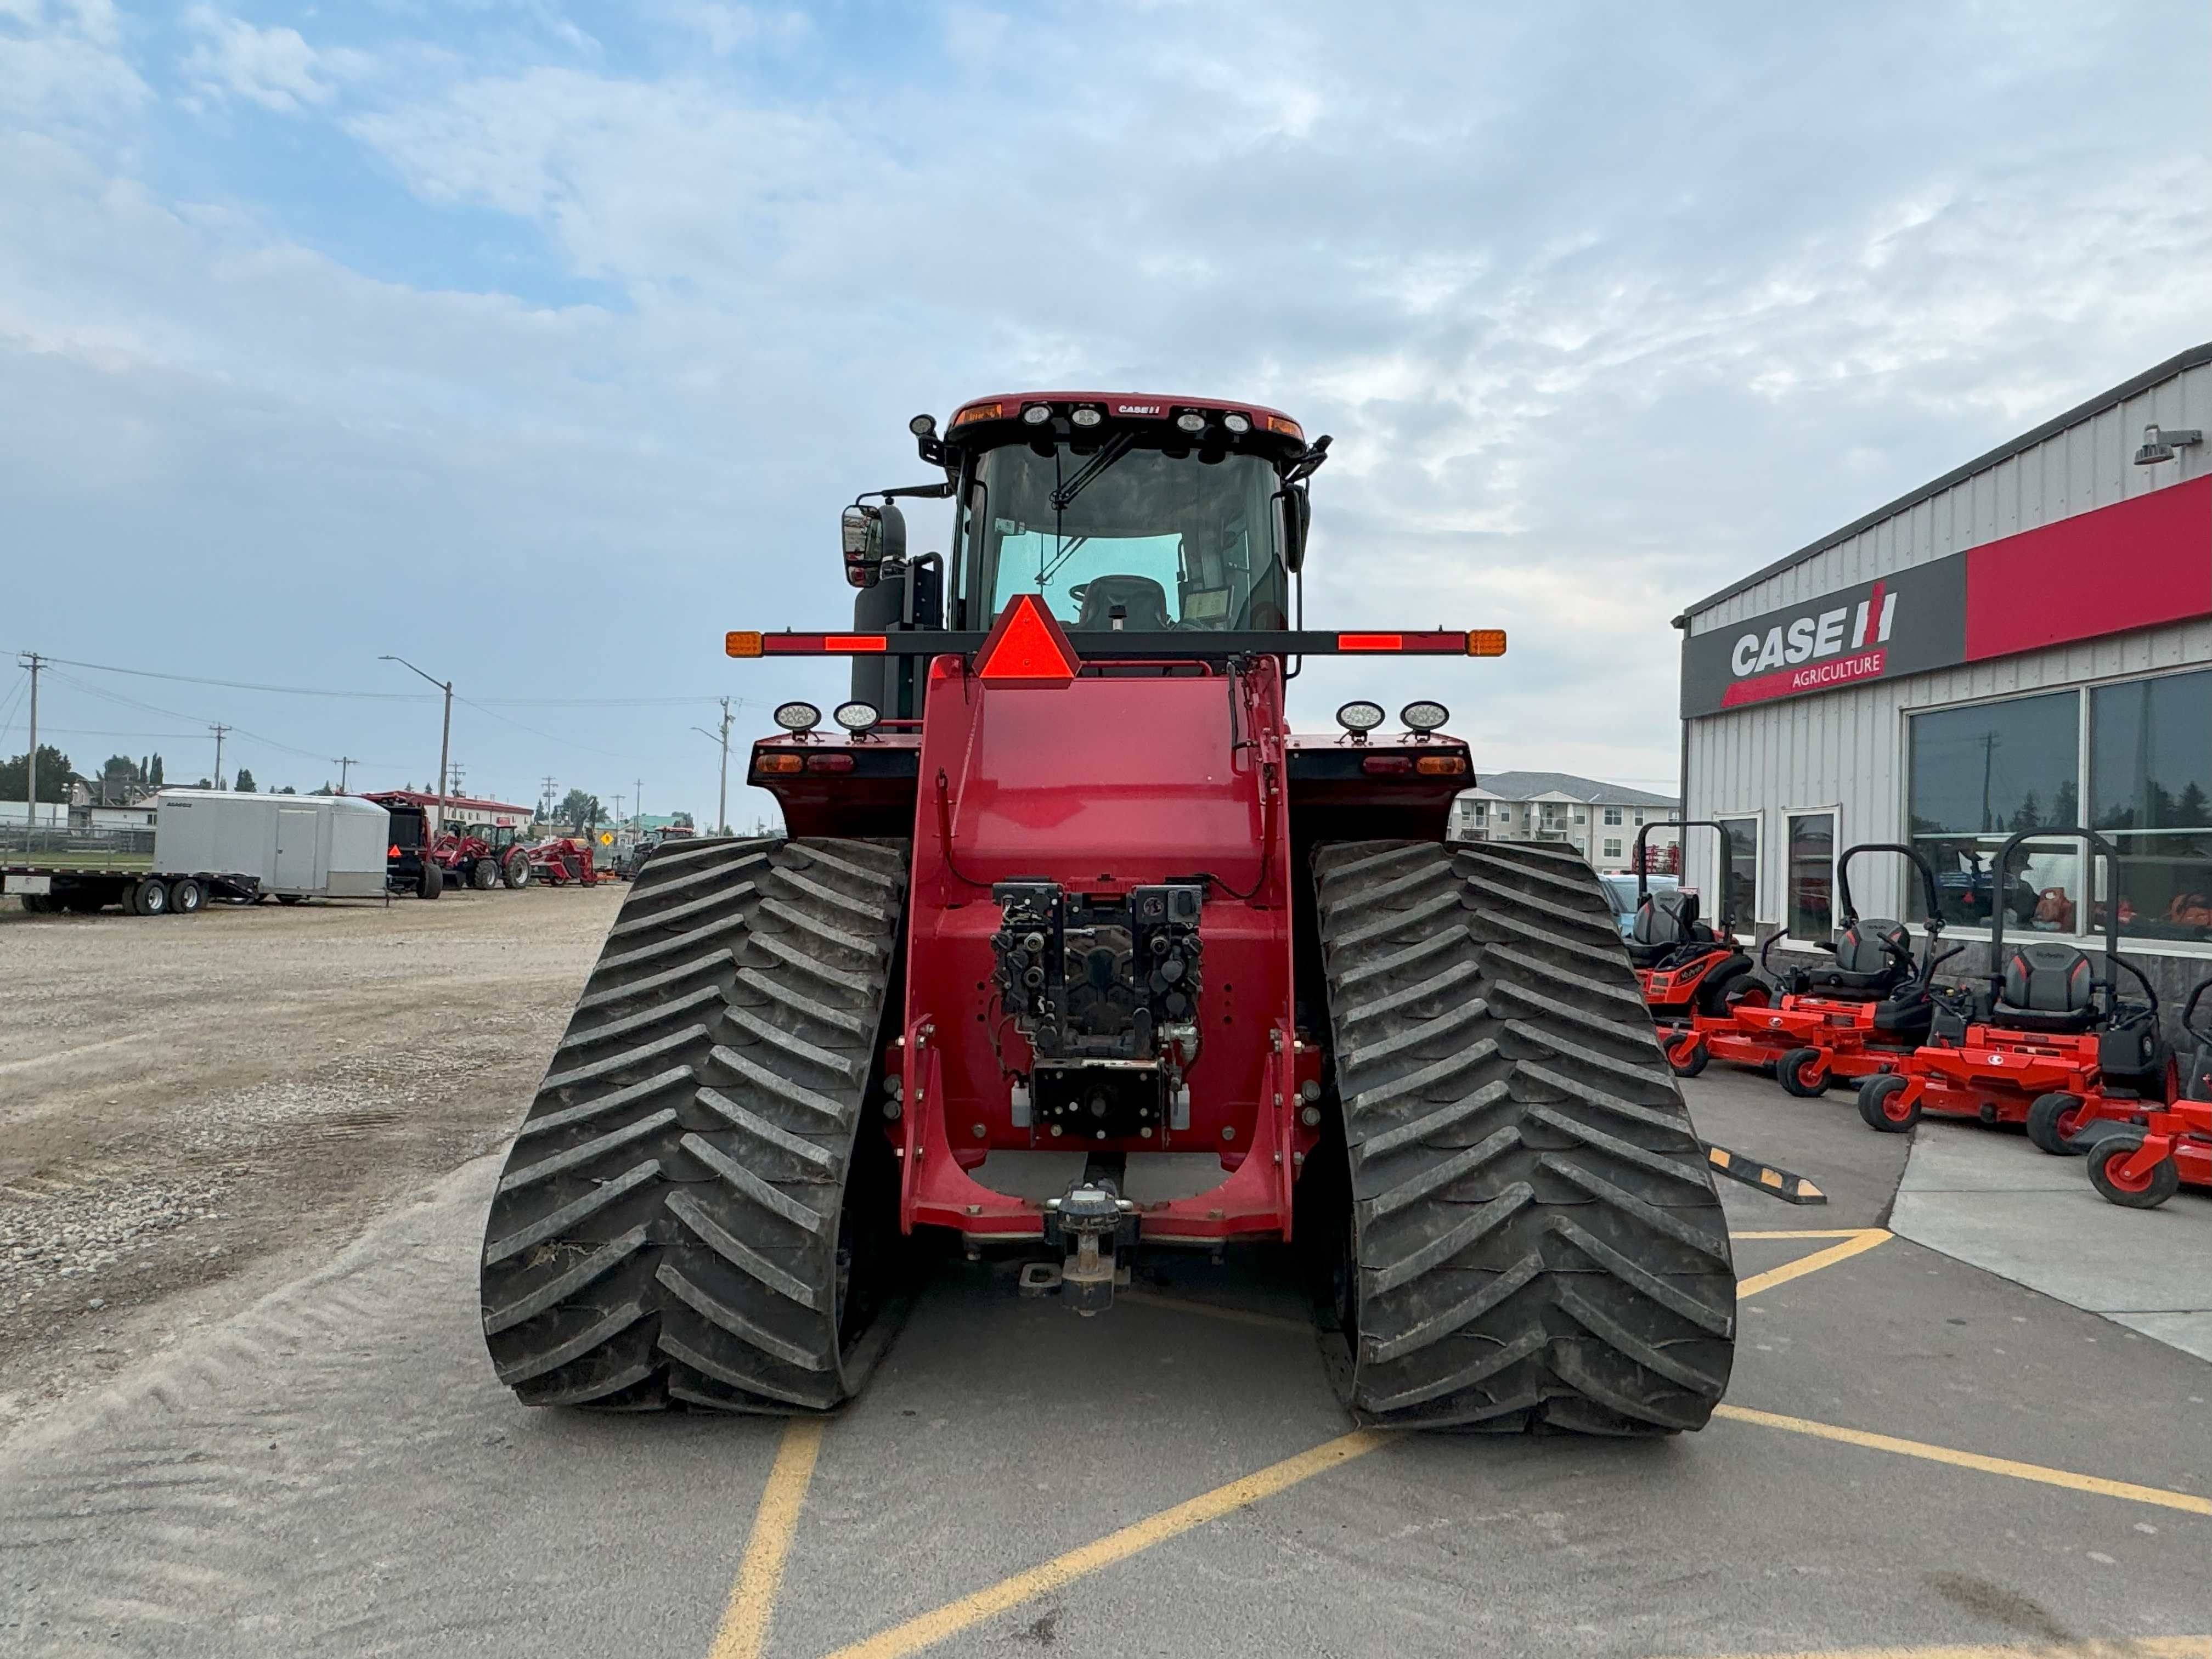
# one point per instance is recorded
(1075, 949)
(483, 856)
(1851, 1018)
(2049, 1045)
(1686, 968)
(2140, 1157)
(561, 860)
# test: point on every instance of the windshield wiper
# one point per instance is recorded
(1116, 448)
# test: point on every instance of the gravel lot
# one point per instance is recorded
(193, 1109)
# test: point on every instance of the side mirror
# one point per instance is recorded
(1291, 517)
(872, 535)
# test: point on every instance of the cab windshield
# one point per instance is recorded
(1150, 541)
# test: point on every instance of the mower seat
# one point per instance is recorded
(1872, 958)
(1911, 1017)
(1664, 923)
(2045, 988)
(1144, 602)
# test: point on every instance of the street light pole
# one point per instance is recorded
(722, 798)
(220, 732)
(34, 662)
(444, 732)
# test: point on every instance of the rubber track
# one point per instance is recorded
(1538, 1243)
(667, 1228)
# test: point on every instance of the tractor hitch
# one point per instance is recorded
(1089, 1221)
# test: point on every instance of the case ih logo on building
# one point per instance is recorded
(1906, 623)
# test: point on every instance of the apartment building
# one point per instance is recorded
(1598, 820)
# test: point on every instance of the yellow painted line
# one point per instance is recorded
(1858, 1244)
(2188, 1502)
(1807, 1232)
(2142, 1647)
(743, 1633)
(931, 1628)
(1216, 1310)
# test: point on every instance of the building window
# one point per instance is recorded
(1639, 820)
(1740, 879)
(1611, 816)
(1978, 775)
(1611, 848)
(1581, 817)
(1812, 875)
(2150, 793)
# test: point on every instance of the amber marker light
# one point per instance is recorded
(1485, 643)
(742, 644)
(779, 761)
(1441, 766)
(978, 412)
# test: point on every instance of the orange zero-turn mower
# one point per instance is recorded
(1855, 1016)
(2139, 1153)
(1686, 967)
(2049, 1045)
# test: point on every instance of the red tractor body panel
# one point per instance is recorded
(1135, 776)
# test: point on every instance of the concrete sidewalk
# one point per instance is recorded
(1988, 1198)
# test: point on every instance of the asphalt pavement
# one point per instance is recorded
(1917, 1453)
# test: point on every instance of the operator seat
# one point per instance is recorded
(1665, 923)
(2046, 988)
(1144, 602)
(1873, 956)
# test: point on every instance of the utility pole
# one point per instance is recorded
(32, 661)
(545, 807)
(346, 763)
(220, 733)
(637, 806)
(722, 799)
(444, 732)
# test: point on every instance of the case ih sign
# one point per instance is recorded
(2135, 564)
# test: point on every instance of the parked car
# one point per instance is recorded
(1621, 890)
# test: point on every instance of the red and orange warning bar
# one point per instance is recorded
(1181, 645)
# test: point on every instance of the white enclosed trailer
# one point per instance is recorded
(216, 843)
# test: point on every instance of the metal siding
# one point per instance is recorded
(2087, 466)
(1848, 746)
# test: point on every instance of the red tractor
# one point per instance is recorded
(2049, 1046)
(1075, 950)
(483, 856)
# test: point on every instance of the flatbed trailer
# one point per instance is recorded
(77, 876)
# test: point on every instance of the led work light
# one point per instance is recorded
(1424, 716)
(1360, 718)
(798, 716)
(857, 717)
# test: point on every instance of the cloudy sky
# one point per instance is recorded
(540, 343)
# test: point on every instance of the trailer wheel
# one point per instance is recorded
(38, 904)
(515, 873)
(702, 1206)
(1531, 1238)
(484, 875)
(149, 897)
(431, 884)
(290, 899)
(2147, 1191)
(1804, 1074)
(1878, 1107)
(2053, 1120)
(187, 896)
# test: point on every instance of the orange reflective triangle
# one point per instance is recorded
(1027, 647)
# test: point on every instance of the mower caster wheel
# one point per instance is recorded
(2147, 1191)
(1804, 1074)
(1876, 1095)
(1687, 1059)
(2052, 1120)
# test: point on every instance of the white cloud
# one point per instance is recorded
(274, 68)
(60, 62)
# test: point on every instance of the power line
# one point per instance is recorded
(406, 697)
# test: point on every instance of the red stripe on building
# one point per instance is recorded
(2134, 564)
(1814, 676)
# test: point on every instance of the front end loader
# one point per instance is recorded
(1073, 948)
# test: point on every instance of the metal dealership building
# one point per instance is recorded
(2026, 641)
